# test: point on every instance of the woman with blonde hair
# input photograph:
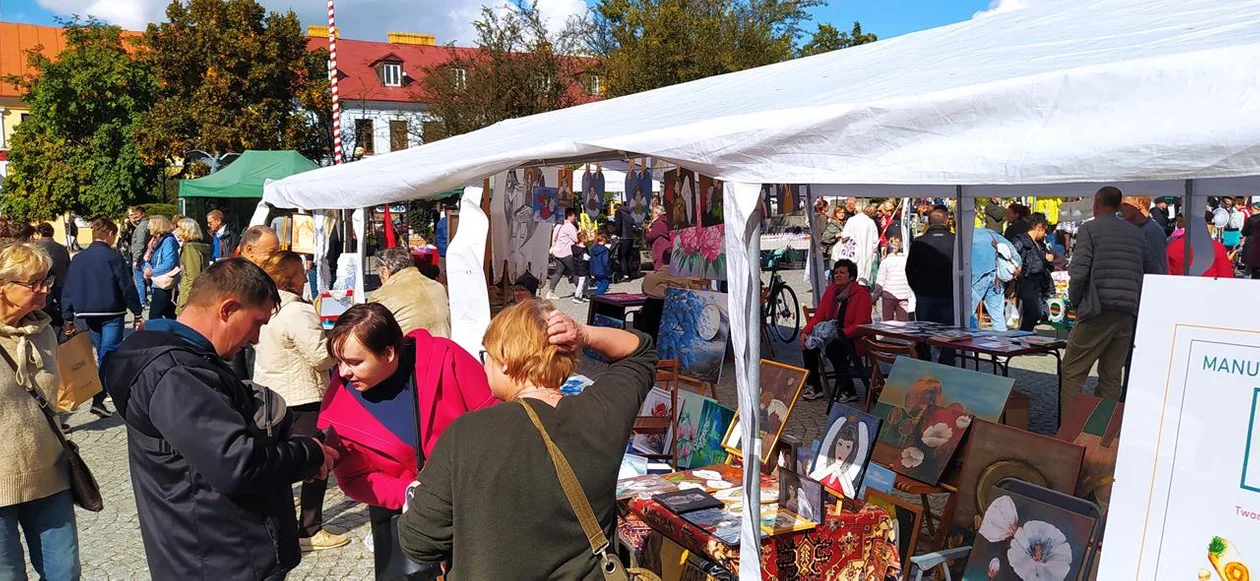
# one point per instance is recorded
(292, 359)
(35, 483)
(194, 255)
(161, 266)
(493, 462)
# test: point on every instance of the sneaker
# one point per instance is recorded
(100, 410)
(847, 398)
(552, 296)
(812, 393)
(578, 300)
(322, 540)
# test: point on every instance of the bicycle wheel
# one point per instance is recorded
(785, 314)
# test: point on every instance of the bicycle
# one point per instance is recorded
(780, 311)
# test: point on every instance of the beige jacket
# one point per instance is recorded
(417, 301)
(292, 356)
(34, 465)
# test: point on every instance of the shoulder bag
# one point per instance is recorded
(83, 487)
(399, 566)
(609, 564)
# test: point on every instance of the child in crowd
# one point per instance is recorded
(581, 267)
(601, 264)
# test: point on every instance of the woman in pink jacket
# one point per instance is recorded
(383, 381)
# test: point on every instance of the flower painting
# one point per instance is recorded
(694, 330)
(658, 403)
(1023, 539)
(926, 410)
(699, 252)
(700, 442)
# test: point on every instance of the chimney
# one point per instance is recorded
(412, 38)
(320, 31)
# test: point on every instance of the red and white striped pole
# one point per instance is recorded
(332, 83)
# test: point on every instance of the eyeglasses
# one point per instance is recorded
(482, 356)
(37, 285)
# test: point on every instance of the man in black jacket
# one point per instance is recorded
(212, 460)
(623, 223)
(930, 272)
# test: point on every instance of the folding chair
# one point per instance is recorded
(881, 353)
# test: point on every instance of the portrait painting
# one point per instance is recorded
(780, 387)
(1022, 538)
(848, 440)
(680, 198)
(593, 192)
(695, 327)
(522, 242)
(994, 452)
(926, 409)
(710, 201)
(303, 234)
(546, 205)
(564, 189)
(801, 495)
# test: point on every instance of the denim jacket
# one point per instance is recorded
(165, 255)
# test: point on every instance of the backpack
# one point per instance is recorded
(1006, 261)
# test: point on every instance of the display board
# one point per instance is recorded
(1186, 498)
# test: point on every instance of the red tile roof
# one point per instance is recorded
(358, 81)
(15, 41)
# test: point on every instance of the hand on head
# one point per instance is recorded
(564, 332)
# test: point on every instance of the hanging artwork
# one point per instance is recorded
(1094, 423)
(780, 387)
(564, 190)
(693, 210)
(521, 241)
(680, 198)
(593, 192)
(303, 234)
(994, 452)
(710, 201)
(638, 191)
(658, 403)
(699, 253)
(1022, 538)
(694, 330)
(926, 408)
(700, 435)
(907, 519)
(847, 443)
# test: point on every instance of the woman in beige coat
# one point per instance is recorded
(35, 479)
(292, 359)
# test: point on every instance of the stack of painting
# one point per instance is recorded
(780, 387)
(694, 330)
(926, 408)
(1094, 423)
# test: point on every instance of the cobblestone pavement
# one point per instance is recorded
(110, 544)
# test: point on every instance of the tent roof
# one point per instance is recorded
(1062, 91)
(244, 178)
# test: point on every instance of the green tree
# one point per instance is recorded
(518, 68)
(827, 39)
(76, 152)
(231, 76)
(647, 44)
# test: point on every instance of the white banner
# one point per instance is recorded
(470, 307)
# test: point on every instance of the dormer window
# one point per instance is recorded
(391, 74)
(460, 76)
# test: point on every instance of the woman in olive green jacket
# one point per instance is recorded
(194, 255)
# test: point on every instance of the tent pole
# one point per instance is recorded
(965, 218)
(485, 209)
(1187, 202)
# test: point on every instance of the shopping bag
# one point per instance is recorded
(80, 379)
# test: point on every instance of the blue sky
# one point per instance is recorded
(449, 19)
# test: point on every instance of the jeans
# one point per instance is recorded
(937, 310)
(601, 285)
(985, 290)
(51, 536)
(142, 286)
(106, 334)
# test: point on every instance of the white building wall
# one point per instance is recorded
(381, 113)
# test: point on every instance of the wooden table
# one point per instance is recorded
(615, 305)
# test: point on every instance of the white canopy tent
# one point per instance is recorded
(1056, 98)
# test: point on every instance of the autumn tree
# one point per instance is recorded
(517, 68)
(648, 44)
(827, 38)
(232, 77)
(77, 153)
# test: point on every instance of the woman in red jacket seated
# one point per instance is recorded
(845, 305)
(382, 381)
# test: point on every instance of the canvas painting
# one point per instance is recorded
(522, 243)
(546, 205)
(699, 252)
(806, 455)
(907, 519)
(638, 193)
(878, 479)
(303, 234)
(801, 495)
(780, 387)
(701, 444)
(848, 441)
(1094, 423)
(710, 201)
(658, 403)
(606, 322)
(694, 330)
(1021, 538)
(593, 192)
(680, 198)
(995, 452)
(926, 408)
(783, 521)
(564, 190)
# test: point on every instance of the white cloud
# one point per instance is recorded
(1001, 6)
(450, 20)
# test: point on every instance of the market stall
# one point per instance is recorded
(1055, 98)
(237, 188)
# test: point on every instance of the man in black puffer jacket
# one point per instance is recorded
(212, 460)
(930, 272)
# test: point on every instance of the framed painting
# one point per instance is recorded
(802, 495)
(780, 387)
(694, 330)
(700, 442)
(658, 403)
(564, 190)
(593, 192)
(847, 443)
(1094, 423)
(926, 408)
(710, 201)
(1023, 538)
(996, 451)
(303, 235)
(907, 521)
(680, 198)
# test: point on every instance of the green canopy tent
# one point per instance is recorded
(237, 188)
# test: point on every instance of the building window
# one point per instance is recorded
(25, 117)
(364, 136)
(460, 77)
(398, 136)
(391, 74)
(595, 85)
(432, 131)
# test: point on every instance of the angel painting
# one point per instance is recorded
(846, 450)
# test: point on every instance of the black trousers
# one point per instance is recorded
(841, 353)
(625, 254)
(1029, 303)
(564, 267)
(163, 304)
(383, 541)
(311, 519)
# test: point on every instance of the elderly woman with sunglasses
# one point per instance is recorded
(35, 482)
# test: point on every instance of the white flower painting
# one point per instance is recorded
(1027, 540)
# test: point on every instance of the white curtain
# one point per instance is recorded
(470, 307)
